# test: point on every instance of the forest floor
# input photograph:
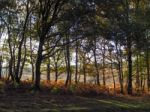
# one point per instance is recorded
(20, 100)
(42, 102)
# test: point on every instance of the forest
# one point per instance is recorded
(75, 55)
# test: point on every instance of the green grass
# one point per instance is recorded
(26, 100)
(42, 102)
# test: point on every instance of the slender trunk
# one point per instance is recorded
(96, 65)
(104, 79)
(10, 70)
(38, 65)
(120, 75)
(0, 67)
(141, 82)
(148, 70)
(24, 60)
(84, 70)
(14, 62)
(112, 72)
(33, 73)
(84, 74)
(141, 74)
(129, 48)
(31, 53)
(11, 58)
(137, 73)
(31, 58)
(56, 72)
(143, 86)
(121, 70)
(6, 72)
(147, 64)
(17, 70)
(76, 74)
(129, 88)
(79, 77)
(68, 80)
(48, 70)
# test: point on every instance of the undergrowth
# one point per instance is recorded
(59, 88)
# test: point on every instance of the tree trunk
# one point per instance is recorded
(104, 79)
(11, 58)
(147, 63)
(76, 73)
(137, 74)
(129, 47)
(84, 70)
(68, 80)
(119, 66)
(148, 70)
(96, 66)
(112, 72)
(31, 58)
(17, 70)
(19, 57)
(48, 70)
(129, 88)
(0, 67)
(10, 69)
(56, 72)
(38, 65)
(24, 60)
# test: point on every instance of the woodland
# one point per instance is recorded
(75, 55)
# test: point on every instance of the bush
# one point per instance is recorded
(90, 90)
(72, 88)
(60, 88)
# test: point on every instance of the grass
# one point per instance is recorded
(53, 103)
(44, 102)
(26, 100)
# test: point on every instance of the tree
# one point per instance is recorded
(48, 15)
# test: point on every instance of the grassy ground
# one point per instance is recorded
(24, 99)
(44, 102)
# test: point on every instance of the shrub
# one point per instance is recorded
(90, 89)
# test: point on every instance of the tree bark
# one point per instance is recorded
(119, 66)
(76, 73)
(147, 60)
(68, 80)
(112, 72)
(84, 69)
(38, 65)
(96, 65)
(56, 72)
(0, 67)
(129, 42)
(19, 57)
(137, 73)
(48, 70)
(104, 79)
(23, 62)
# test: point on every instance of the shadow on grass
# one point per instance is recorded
(25, 102)
(106, 105)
